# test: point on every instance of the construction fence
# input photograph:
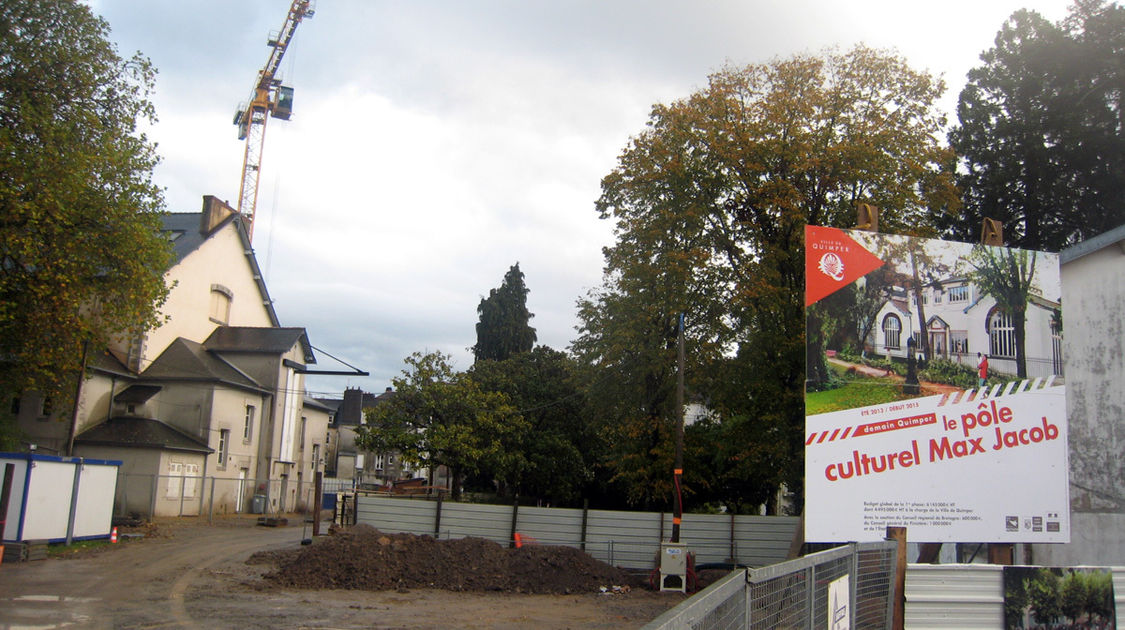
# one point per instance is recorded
(853, 583)
(147, 496)
(626, 539)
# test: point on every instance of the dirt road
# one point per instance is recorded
(192, 575)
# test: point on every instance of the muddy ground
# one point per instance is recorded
(187, 574)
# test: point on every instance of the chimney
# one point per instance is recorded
(215, 211)
(351, 409)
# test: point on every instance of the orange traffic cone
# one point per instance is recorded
(113, 536)
(519, 540)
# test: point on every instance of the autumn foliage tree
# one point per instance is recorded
(81, 254)
(709, 204)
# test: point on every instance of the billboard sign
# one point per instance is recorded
(944, 411)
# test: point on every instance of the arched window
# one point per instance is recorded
(221, 297)
(892, 331)
(1001, 335)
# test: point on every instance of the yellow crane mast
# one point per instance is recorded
(269, 98)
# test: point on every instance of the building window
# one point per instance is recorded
(224, 441)
(304, 423)
(248, 424)
(221, 298)
(1001, 335)
(1056, 346)
(959, 341)
(892, 331)
(316, 457)
(959, 294)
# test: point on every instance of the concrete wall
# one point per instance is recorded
(1094, 349)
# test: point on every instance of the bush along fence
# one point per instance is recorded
(626, 539)
(147, 496)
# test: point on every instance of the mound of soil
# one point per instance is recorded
(363, 558)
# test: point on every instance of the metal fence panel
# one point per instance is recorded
(795, 594)
(461, 520)
(763, 540)
(551, 526)
(396, 516)
(625, 539)
(721, 606)
(967, 596)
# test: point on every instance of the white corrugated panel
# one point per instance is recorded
(462, 520)
(963, 596)
(624, 539)
(396, 515)
(551, 526)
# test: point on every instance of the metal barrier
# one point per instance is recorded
(795, 594)
(149, 496)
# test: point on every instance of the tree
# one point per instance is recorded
(1074, 596)
(1008, 275)
(439, 417)
(503, 328)
(559, 444)
(81, 254)
(1044, 596)
(710, 204)
(1041, 130)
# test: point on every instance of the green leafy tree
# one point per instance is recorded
(81, 255)
(709, 205)
(559, 443)
(1008, 275)
(1041, 129)
(1099, 596)
(1015, 598)
(1074, 596)
(440, 417)
(503, 329)
(1044, 596)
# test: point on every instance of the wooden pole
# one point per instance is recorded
(898, 534)
(318, 499)
(678, 471)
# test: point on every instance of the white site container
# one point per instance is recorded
(58, 498)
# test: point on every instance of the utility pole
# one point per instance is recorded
(678, 470)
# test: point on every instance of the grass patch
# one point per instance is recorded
(77, 547)
(856, 391)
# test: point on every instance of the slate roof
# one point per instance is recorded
(184, 359)
(141, 433)
(136, 393)
(314, 403)
(1091, 245)
(106, 361)
(259, 340)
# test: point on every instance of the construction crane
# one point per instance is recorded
(269, 98)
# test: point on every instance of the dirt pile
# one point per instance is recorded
(364, 558)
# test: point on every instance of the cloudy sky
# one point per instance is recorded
(434, 144)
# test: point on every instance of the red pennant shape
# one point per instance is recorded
(833, 260)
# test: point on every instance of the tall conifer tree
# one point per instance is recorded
(503, 328)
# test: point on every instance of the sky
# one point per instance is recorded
(436, 143)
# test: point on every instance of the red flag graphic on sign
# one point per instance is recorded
(833, 260)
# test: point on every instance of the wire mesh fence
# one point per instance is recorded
(148, 496)
(800, 594)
